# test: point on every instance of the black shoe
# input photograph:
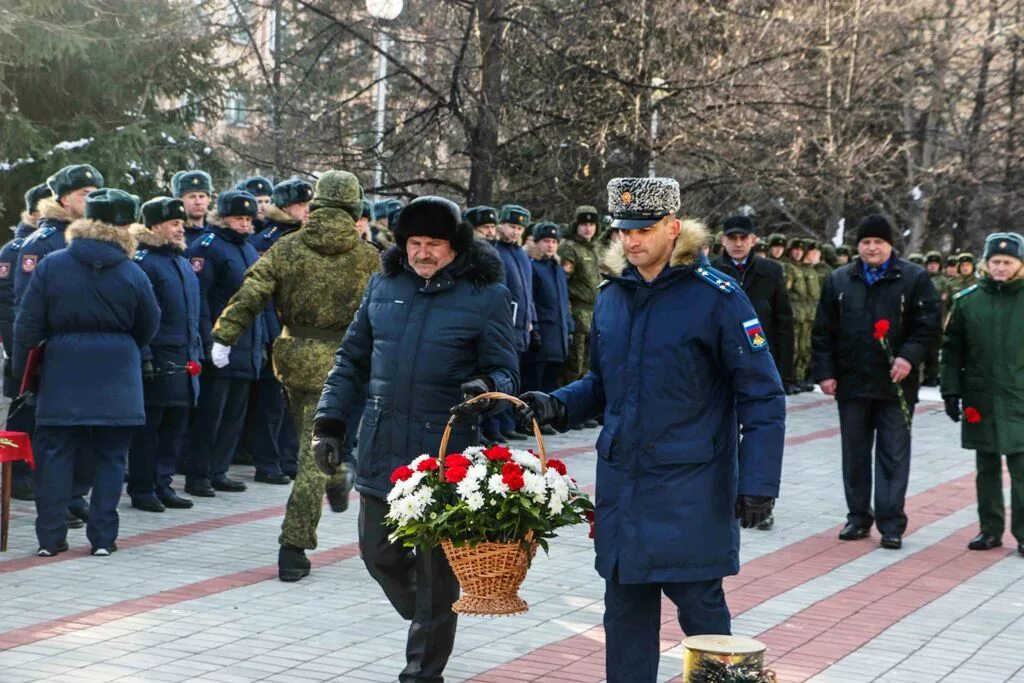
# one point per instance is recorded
(577, 428)
(548, 430)
(852, 532)
(275, 478)
(72, 521)
(173, 500)
(292, 563)
(288, 472)
(1020, 548)
(984, 541)
(228, 484)
(104, 552)
(791, 389)
(806, 386)
(200, 490)
(81, 513)
(892, 541)
(53, 552)
(149, 504)
(513, 436)
(337, 497)
(590, 424)
(23, 492)
(767, 524)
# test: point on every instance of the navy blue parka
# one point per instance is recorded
(519, 281)
(9, 262)
(554, 319)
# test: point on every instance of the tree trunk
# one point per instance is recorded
(483, 138)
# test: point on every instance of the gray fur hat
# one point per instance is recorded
(641, 202)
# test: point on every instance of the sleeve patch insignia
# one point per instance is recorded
(755, 335)
(197, 263)
(5, 270)
(28, 262)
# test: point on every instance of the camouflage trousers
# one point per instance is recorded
(578, 362)
(302, 513)
(802, 353)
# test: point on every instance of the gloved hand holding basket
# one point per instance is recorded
(489, 509)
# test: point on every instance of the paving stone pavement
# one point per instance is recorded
(192, 595)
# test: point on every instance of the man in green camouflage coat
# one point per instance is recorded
(316, 276)
(933, 264)
(580, 255)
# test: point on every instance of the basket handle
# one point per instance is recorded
(443, 450)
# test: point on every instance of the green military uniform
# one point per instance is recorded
(802, 283)
(917, 258)
(931, 361)
(776, 239)
(961, 282)
(983, 364)
(316, 277)
(584, 257)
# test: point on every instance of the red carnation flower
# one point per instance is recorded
(428, 465)
(512, 475)
(557, 466)
(498, 453)
(457, 460)
(453, 475)
(193, 368)
(881, 328)
(589, 514)
(401, 474)
(972, 415)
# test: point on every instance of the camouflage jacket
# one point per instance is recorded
(316, 277)
(585, 258)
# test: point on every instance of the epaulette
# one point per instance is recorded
(964, 292)
(140, 254)
(208, 239)
(267, 234)
(715, 278)
(16, 243)
(603, 283)
(46, 232)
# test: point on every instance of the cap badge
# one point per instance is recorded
(195, 181)
(88, 174)
(627, 197)
(246, 203)
(1002, 245)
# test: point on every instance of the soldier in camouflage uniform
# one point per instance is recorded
(799, 281)
(580, 254)
(965, 276)
(776, 246)
(316, 277)
(842, 255)
(917, 258)
(930, 367)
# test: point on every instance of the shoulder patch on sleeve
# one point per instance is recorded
(716, 279)
(208, 239)
(755, 334)
(28, 262)
(197, 263)
(964, 292)
(140, 254)
(5, 270)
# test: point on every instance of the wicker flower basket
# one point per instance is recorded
(490, 573)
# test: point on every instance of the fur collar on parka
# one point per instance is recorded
(693, 236)
(278, 215)
(51, 208)
(28, 219)
(147, 239)
(86, 228)
(480, 264)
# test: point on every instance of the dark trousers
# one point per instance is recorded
(867, 423)
(541, 376)
(156, 451)
(989, 486)
(22, 419)
(263, 437)
(216, 427)
(57, 449)
(632, 622)
(420, 586)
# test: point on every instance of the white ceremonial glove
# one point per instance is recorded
(221, 355)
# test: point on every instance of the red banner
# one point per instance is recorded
(15, 446)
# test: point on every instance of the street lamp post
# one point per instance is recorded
(383, 10)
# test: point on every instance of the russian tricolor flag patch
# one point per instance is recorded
(755, 335)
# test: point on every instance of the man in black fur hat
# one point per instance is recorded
(440, 292)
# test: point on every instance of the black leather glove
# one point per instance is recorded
(752, 510)
(474, 387)
(535, 341)
(952, 407)
(328, 443)
(544, 408)
(148, 372)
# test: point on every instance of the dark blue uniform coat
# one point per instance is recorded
(519, 280)
(554, 321)
(95, 310)
(48, 238)
(220, 259)
(194, 232)
(673, 371)
(9, 261)
(412, 344)
(177, 340)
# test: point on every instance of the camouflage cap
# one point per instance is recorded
(843, 250)
(812, 244)
(776, 239)
(1005, 244)
(951, 260)
(641, 202)
(71, 178)
(760, 247)
(115, 207)
(933, 256)
(339, 190)
(585, 214)
(795, 243)
(965, 257)
(917, 258)
(184, 182)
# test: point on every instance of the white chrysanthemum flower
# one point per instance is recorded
(396, 492)
(559, 489)
(535, 486)
(474, 453)
(415, 463)
(400, 511)
(475, 501)
(555, 507)
(477, 471)
(526, 460)
(467, 487)
(496, 485)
